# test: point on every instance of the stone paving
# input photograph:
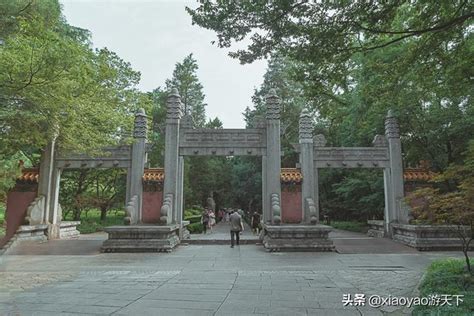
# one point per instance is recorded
(204, 280)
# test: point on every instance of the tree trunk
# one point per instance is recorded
(103, 213)
(76, 215)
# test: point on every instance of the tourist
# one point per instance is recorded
(255, 222)
(227, 216)
(236, 226)
(212, 219)
(205, 221)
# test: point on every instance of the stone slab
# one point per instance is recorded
(427, 237)
(376, 228)
(141, 238)
(297, 238)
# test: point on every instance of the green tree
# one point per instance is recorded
(52, 82)
(190, 89)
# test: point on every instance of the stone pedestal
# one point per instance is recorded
(141, 238)
(428, 237)
(68, 230)
(376, 228)
(297, 238)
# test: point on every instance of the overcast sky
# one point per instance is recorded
(154, 35)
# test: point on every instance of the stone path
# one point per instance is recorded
(220, 234)
(72, 277)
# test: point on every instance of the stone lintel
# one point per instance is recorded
(222, 151)
(351, 164)
(222, 138)
(108, 162)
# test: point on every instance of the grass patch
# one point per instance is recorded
(359, 227)
(91, 223)
(448, 276)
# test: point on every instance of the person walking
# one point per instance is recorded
(205, 221)
(255, 222)
(236, 226)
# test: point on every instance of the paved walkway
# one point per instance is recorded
(202, 280)
(220, 234)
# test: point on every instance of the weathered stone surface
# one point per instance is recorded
(68, 230)
(297, 238)
(376, 228)
(427, 237)
(32, 232)
(141, 238)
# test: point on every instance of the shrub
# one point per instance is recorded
(447, 276)
(193, 219)
(195, 228)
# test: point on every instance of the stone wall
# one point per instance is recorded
(18, 201)
(427, 237)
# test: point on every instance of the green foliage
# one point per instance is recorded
(447, 276)
(351, 63)
(453, 200)
(359, 227)
(9, 171)
(247, 183)
(195, 228)
(2, 219)
(356, 195)
(91, 220)
(52, 83)
(89, 189)
(193, 219)
(193, 212)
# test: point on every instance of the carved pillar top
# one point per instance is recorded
(306, 126)
(273, 105)
(392, 129)
(174, 108)
(140, 129)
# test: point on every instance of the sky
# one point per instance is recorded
(154, 35)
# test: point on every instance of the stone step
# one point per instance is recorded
(218, 241)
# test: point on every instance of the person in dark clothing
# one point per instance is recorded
(255, 222)
(236, 226)
(205, 221)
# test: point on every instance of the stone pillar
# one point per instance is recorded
(54, 216)
(388, 194)
(44, 185)
(170, 188)
(267, 218)
(273, 159)
(396, 193)
(138, 163)
(307, 165)
(180, 201)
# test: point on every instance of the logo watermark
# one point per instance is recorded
(379, 300)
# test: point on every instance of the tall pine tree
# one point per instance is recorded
(186, 81)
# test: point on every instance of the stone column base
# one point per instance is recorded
(141, 238)
(376, 229)
(68, 230)
(428, 237)
(297, 238)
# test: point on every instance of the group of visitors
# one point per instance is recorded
(234, 218)
(208, 220)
